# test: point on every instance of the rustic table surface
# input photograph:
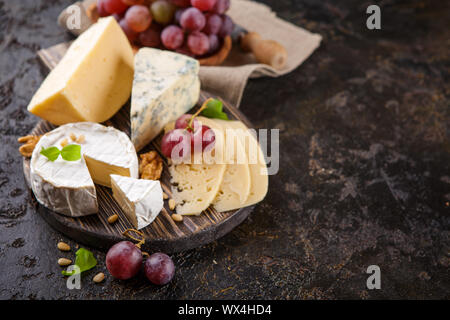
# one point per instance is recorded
(364, 173)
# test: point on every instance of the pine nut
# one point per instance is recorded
(99, 277)
(113, 218)
(64, 143)
(172, 204)
(73, 136)
(64, 262)
(63, 246)
(165, 196)
(177, 217)
(80, 139)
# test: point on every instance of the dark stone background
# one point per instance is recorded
(364, 175)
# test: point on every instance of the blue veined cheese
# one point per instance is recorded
(165, 86)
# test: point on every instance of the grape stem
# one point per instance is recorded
(203, 107)
(140, 242)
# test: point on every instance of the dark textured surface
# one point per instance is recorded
(364, 177)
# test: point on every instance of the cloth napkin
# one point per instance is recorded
(228, 80)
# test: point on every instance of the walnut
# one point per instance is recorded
(29, 142)
(151, 166)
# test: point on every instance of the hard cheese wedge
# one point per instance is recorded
(165, 86)
(140, 199)
(92, 81)
(68, 187)
(235, 186)
(258, 169)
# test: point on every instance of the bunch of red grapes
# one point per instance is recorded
(192, 27)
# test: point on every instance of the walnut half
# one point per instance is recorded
(29, 142)
(151, 166)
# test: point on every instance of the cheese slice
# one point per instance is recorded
(68, 187)
(165, 86)
(258, 169)
(140, 199)
(93, 79)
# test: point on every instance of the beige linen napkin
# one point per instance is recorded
(229, 79)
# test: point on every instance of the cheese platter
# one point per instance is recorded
(99, 164)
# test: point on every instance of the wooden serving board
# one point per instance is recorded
(163, 234)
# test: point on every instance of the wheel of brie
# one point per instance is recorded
(67, 187)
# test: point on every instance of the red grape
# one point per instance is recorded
(214, 43)
(159, 268)
(114, 6)
(198, 43)
(213, 24)
(221, 6)
(203, 5)
(172, 37)
(133, 2)
(101, 8)
(178, 14)
(123, 260)
(181, 3)
(151, 36)
(138, 18)
(192, 19)
(162, 11)
(202, 137)
(227, 26)
(183, 121)
(131, 35)
(176, 144)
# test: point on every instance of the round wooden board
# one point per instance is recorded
(163, 234)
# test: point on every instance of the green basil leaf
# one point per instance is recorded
(214, 110)
(52, 153)
(85, 260)
(71, 152)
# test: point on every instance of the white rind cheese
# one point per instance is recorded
(140, 199)
(67, 187)
(92, 81)
(165, 86)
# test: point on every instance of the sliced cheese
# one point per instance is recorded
(140, 199)
(258, 169)
(93, 79)
(68, 187)
(235, 187)
(165, 86)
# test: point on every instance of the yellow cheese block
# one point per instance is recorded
(92, 81)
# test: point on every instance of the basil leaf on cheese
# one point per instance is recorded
(214, 110)
(85, 260)
(71, 152)
(52, 153)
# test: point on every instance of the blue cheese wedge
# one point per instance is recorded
(67, 187)
(165, 86)
(140, 199)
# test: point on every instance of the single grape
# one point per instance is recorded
(221, 6)
(101, 8)
(192, 19)
(131, 35)
(151, 37)
(213, 24)
(203, 5)
(214, 43)
(114, 6)
(198, 43)
(181, 3)
(178, 14)
(138, 18)
(183, 121)
(162, 11)
(124, 260)
(159, 268)
(133, 2)
(202, 137)
(172, 37)
(227, 26)
(176, 144)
